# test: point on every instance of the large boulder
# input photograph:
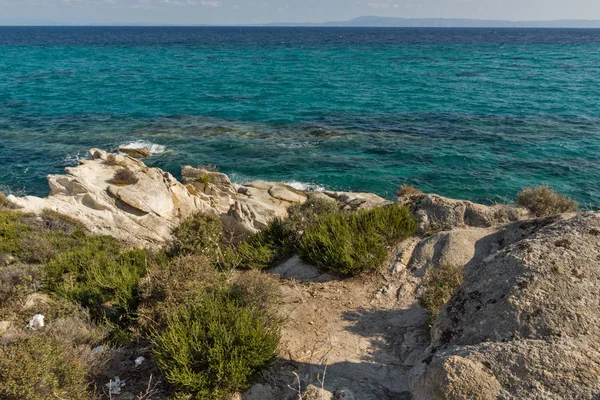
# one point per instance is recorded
(436, 213)
(527, 316)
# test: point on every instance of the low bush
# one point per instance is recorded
(212, 331)
(11, 232)
(266, 248)
(544, 201)
(301, 216)
(211, 347)
(97, 275)
(16, 283)
(124, 177)
(439, 285)
(199, 234)
(37, 238)
(354, 243)
(408, 190)
(38, 367)
(281, 238)
(170, 285)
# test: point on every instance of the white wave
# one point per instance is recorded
(71, 160)
(141, 144)
(305, 186)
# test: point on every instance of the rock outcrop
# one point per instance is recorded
(436, 213)
(145, 212)
(525, 323)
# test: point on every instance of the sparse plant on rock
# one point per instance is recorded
(543, 201)
(203, 178)
(407, 190)
(439, 285)
(6, 204)
(125, 177)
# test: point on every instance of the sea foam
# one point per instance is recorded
(141, 144)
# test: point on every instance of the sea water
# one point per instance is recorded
(467, 113)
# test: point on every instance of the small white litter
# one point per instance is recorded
(139, 361)
(115, 385)
(97, 349)
(37, 322)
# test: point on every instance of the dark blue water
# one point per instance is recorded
(470, 113)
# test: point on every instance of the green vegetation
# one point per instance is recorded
(124, 177)
(440, 284)
(211, 333)
(204, 178)
(224, 322)
(97, 275)
(266, 248)
(38, 367)
(281, 239)
(212, 346)
(354, 243)
(209, 325)
(408, 190)
(543, 201)
(199, 234)
(37, 239)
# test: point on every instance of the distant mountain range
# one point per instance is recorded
(371, 21)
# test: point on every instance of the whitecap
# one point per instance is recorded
(309, 187)
(141, 144)
(71, 160)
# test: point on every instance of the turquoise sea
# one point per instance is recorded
(467, 113)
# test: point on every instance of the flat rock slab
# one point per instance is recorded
(297, 269)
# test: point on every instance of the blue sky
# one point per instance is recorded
(267, 11)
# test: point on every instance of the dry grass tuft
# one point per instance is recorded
(6, 204)
(440, 284)
(408, 190)
(543, 201)
(124, 177)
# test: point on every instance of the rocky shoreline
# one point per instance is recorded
(145, 213)
(524, 324)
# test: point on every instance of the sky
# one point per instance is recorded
(234, 12)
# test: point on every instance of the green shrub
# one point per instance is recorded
(39, 368)
(16, 283)
(11, 231)
(266, 248)
(124, 177)
(211, 347)
(203, 178)
(99, 276)
(199, 234)
(173, 284)
(544, 201)
(38, 238)
(301, 216)
(354, 243)
(439, 285)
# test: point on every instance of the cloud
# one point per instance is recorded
(211, 3)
